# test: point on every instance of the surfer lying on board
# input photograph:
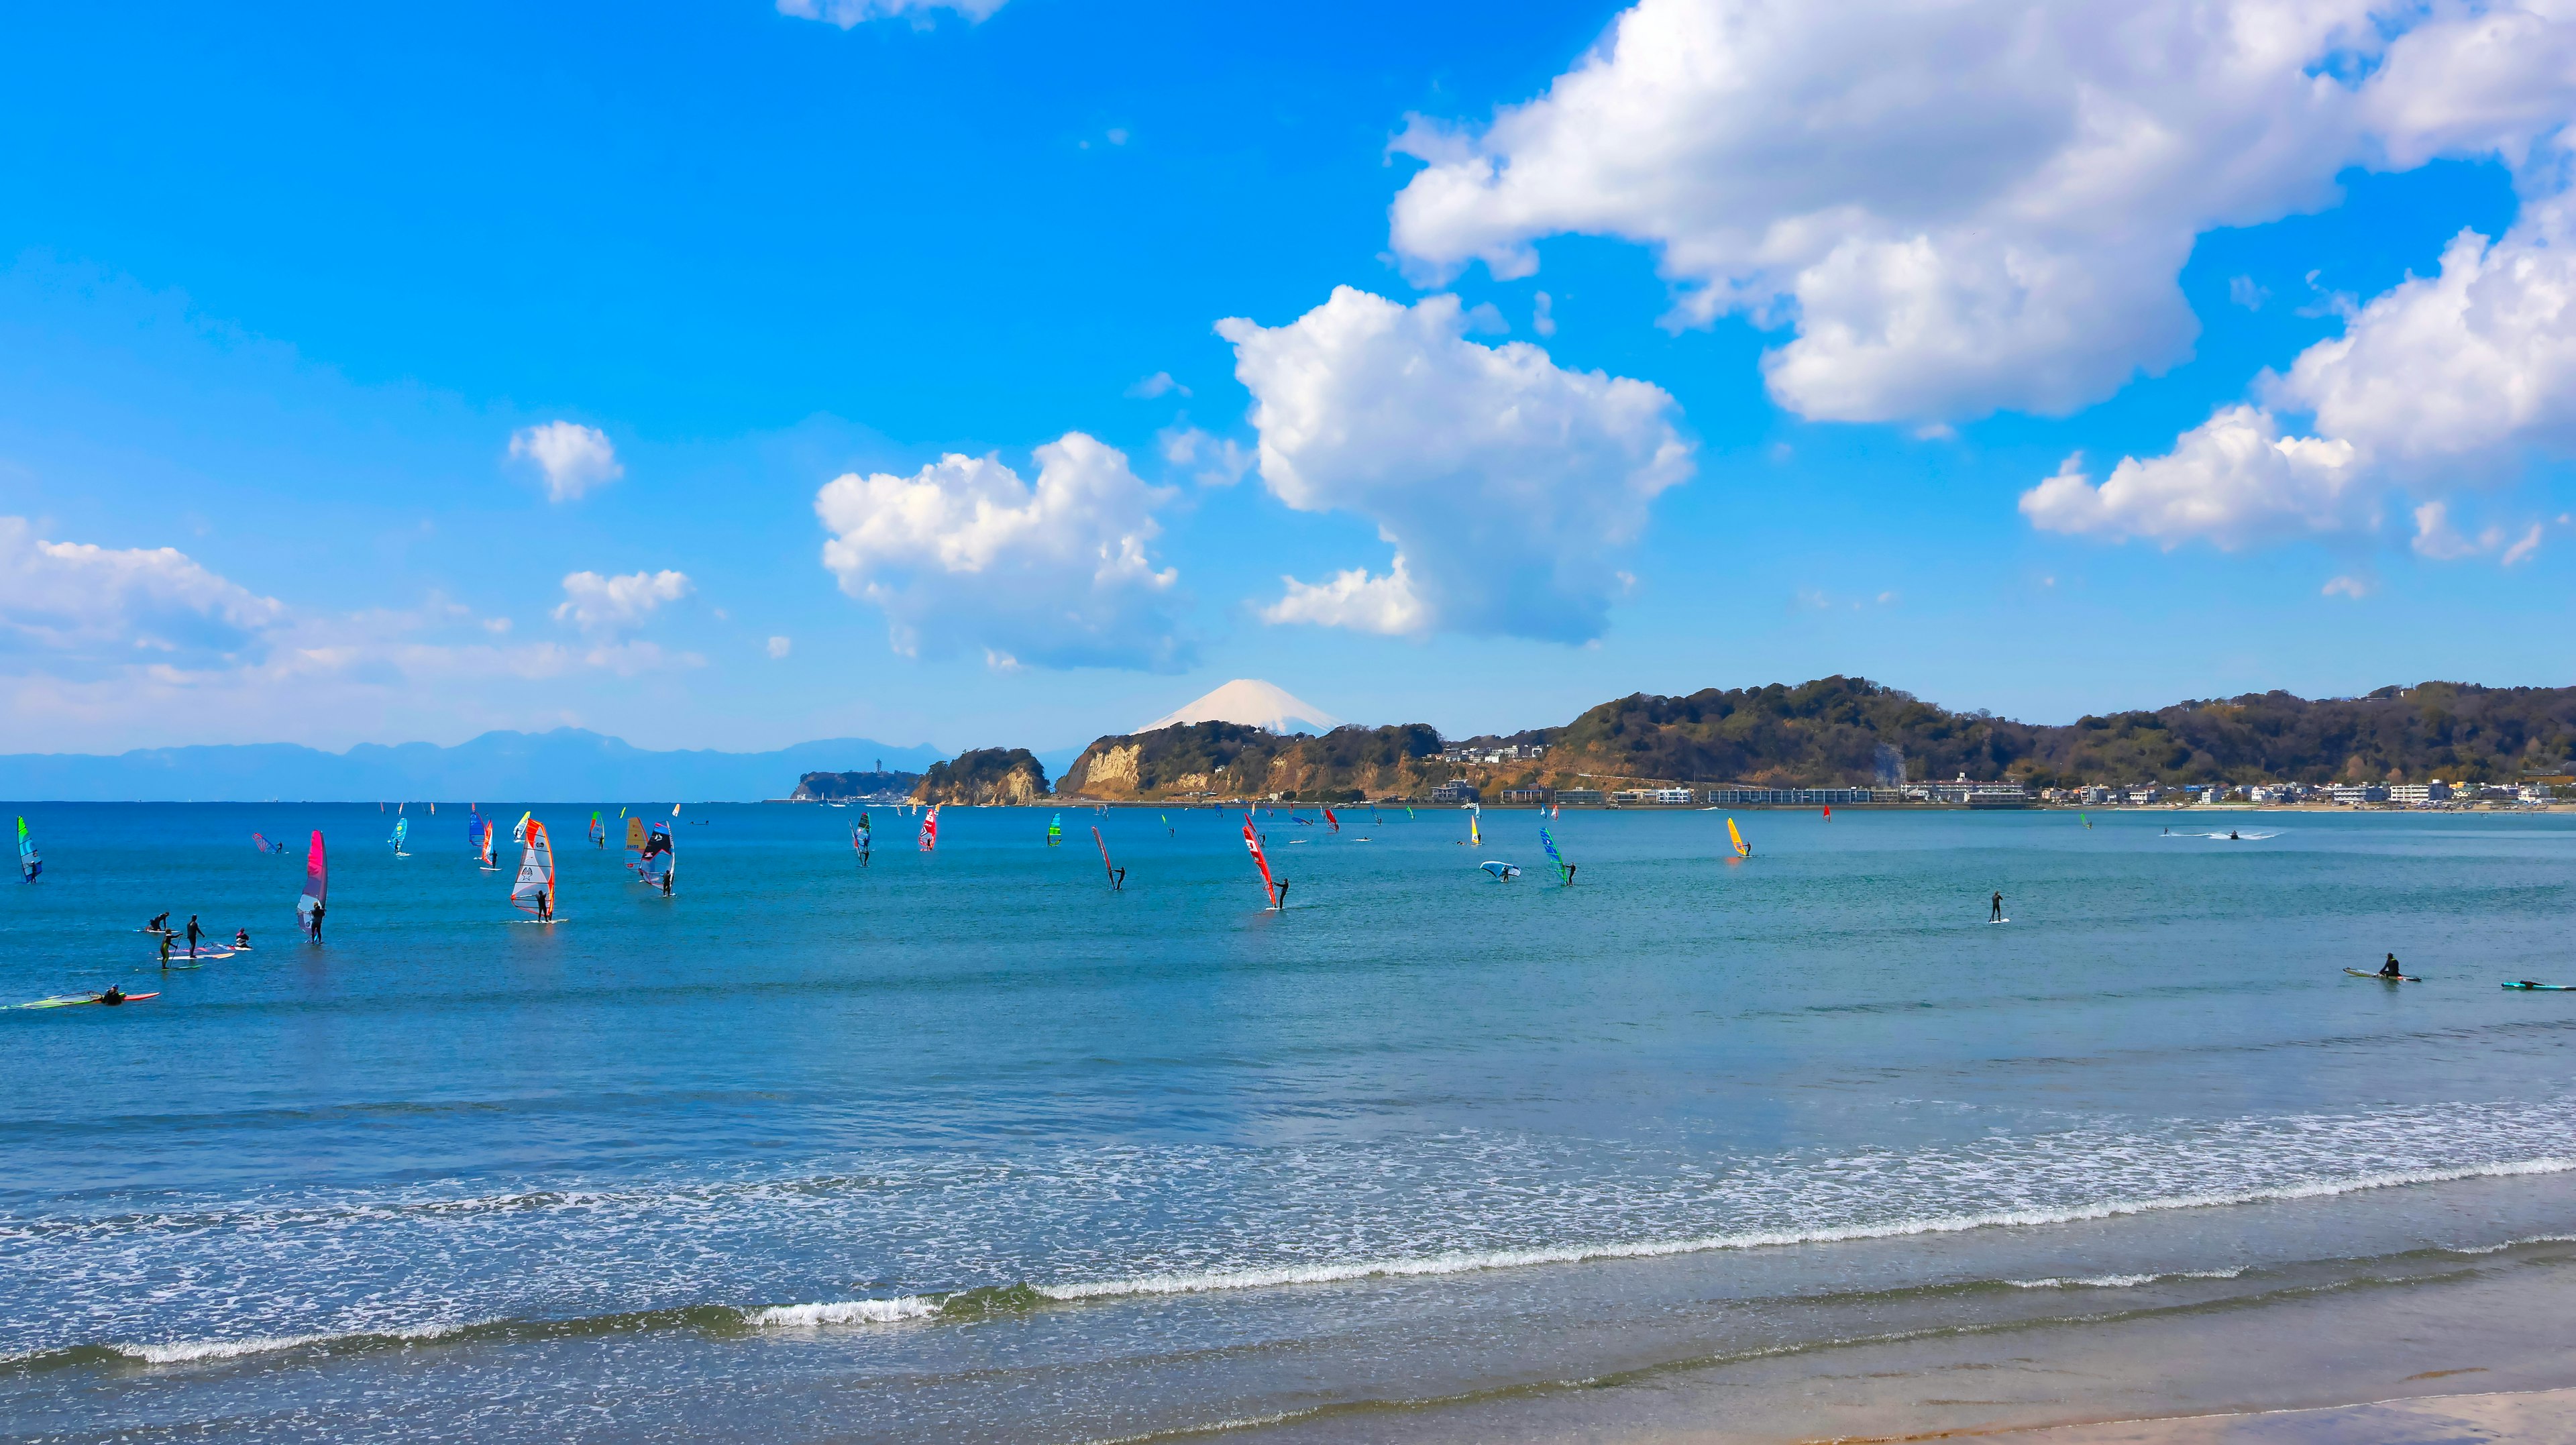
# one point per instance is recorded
(1996, 915)
(2390, 968)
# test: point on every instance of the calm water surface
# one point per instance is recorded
(964, 1142)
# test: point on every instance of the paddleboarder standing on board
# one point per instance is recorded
(1997, 914)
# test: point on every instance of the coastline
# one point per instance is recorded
(2341, 1365)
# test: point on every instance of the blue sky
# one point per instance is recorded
(502, 366)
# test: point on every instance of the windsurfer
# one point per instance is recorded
(545, 905)
(1996, 914)
(313, 921)
(666, 882)
(1282, 886)
(1117, 880)
(241, 938)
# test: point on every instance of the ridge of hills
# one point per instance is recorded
(1840, 731)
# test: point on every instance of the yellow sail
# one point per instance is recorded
(1742, 849)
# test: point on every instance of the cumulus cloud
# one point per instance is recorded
(964, 556)
(779, 646)
(104, 646)
(605, 604)
(1211, 461)
(1973, 205)
(1507, 485)
(2234, 481)
(851, 13)
(2440, 382)
(572, 458)
(123, 604)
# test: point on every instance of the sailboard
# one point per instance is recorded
(535, 889)
(2088, 822)
(660, 859)
(1271, 891)
(930, 829)
(1117, 875)
(317, 881)
(30, 863)
(598, 832)
(1564, 870)
(1742, 848)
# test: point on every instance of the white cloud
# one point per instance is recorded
(1210, 461)
(2460, 367)
(2233, 481)
(107, 647)
(2350, 587)
(965, 555)
(779, 646)
(604, 604)
(851, 13)
(1355, 600)
(1543, 314)
(1507, 485)
(1972, 205)
(2242, 291)
(2443, 381)
(120, 605)
(1159, 384)
(573, 458)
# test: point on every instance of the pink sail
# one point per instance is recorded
(317, 879)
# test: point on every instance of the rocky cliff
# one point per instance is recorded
(1231, 760)
(985, 778)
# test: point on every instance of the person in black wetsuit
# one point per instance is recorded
(1996, 913)
(2390, 968)
(194, 933)
(165, 950)
(315, 920)
(666, 882)
(113, 996)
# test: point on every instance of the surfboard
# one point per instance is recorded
(69, 1000)
(2384, 978)
(1991, 922)
(2542, 987)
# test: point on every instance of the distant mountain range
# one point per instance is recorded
(567, 765)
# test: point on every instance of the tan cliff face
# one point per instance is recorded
(985, 778)
(1233, 760)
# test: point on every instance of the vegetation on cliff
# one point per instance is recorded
(832, 787)
(1232, 760)
(985, 777)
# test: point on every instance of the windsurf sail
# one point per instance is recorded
(930, 829)
(535, 890)
(1501, 870)
(1055, 830)
(861, 842)
(402, 830)
(519, 830)
(258, 841)
(1564, 870)
(483, 847)
(635, 835)
(1475, 834)
(1115, 878)
(2088, 822)
(1260, 860)
(1329, 818)
(1167, 824)
(1829, 812)
(317, 880)
(29, 863)
(598, 832)
(661, 858)
(1742, 848)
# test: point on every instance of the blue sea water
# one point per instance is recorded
(965, 1142)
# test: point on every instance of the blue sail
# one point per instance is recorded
(29, 864)
(1563, 871)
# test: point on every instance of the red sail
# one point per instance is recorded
(1252, 840)
(1329, 818)
(317, 879)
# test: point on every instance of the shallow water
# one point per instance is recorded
(967, 1141)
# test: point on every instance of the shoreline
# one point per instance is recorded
(2336, 1364)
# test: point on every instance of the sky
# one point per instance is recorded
(1009, 372)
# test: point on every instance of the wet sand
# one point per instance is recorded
(2473, 1354)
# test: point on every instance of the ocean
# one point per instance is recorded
(965, 1145)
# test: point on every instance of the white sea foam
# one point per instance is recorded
(1464, 1261)
(181, 1352)
(843, 1312)
(2119, 1281)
